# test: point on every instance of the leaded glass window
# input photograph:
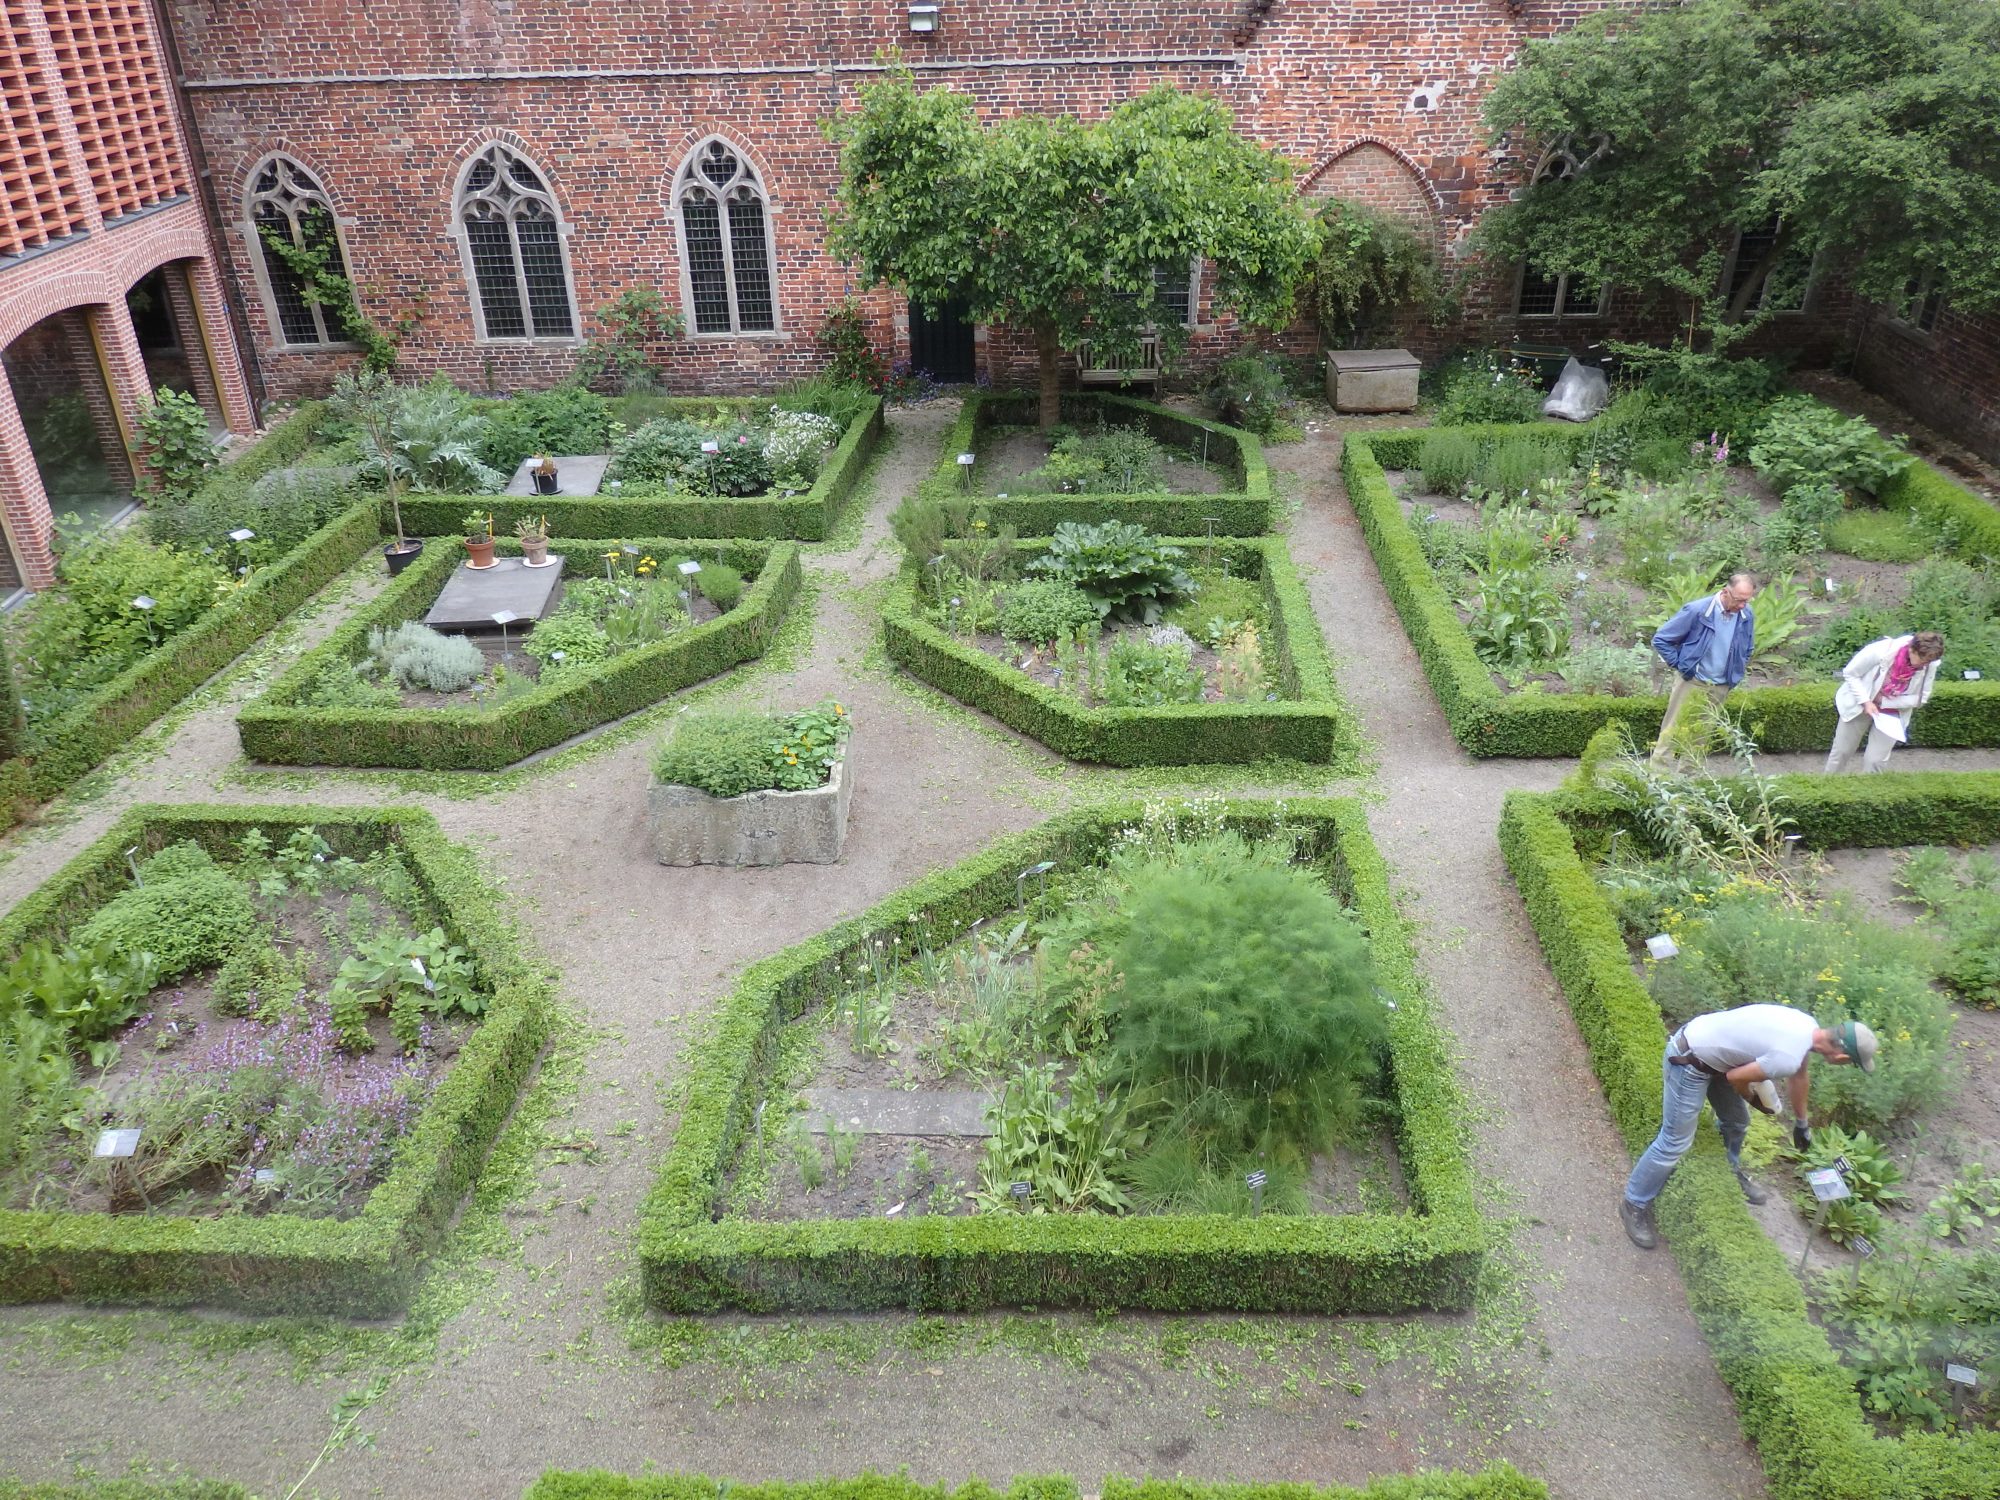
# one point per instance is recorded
(1560, 294)
(286, 203)
(514, 249)
(725, 242)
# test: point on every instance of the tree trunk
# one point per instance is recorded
(1049, 353)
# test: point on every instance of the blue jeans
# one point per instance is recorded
(1680, 1110)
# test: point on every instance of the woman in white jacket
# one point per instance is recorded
(1886, 679)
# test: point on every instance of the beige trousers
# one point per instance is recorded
(1685, 689)
(1847, 739)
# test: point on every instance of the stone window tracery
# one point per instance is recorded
(514, 253)
(285, 202)
(725, 242)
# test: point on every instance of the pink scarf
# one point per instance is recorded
(1901, 670)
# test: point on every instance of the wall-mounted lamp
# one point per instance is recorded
(924, 15)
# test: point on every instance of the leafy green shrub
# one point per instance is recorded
(84, 633)
(568, 639)
(175, 450)
(1220, 601)
(1249, 390)
(1517, 619)
(186, 921)
(1963, 898)
(1110, 461)
(1689, 396)
(1660, 459)
(1488, 387)
(1803, 440)
(417, 657)
(1834, 965)
(1880, 536)
(1371, 267)
(1248, 996)
(349, 684)
(1449, 458)
(665, 452)
(436, 433)
(1145, 674)
(1127, 572)
(1513, 468)
(88, 991)
(1598, 666)
(1041, 609)
(1814, 503)
(727, 755)
(258, 977)
(1070, 1148)
(567, 419)
(796, 444)
(721, 585)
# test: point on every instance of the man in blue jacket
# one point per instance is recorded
(1708, 644)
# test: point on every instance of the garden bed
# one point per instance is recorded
(625, 508)
(1489, 719)
(287, 930)
(1210, 476)
(282, 728)
(1798, 1399)
(698, 1255)
(76, 738)
(1283, 703)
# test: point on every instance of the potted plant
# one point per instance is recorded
(533, 532)
(479, 539)
(544, 474)
(753, 789)
(373, 403)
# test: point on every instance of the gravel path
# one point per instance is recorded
(1583, 1365)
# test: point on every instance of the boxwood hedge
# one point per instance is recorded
(278, 730)
(1245, 509)
(110, 718)
(808, 517)
(694, 1260)
(1497, 1482)
(1797, 1401)
(1313, 725)
(1488, 721)
(366, 1266)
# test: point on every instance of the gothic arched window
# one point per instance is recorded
(286, 207)
(513, 244)
(725, 242)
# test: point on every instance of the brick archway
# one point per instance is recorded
(1377, 174)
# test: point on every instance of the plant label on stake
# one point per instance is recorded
(1963, 1375)
(132, 864)
(1661, 946)
(1255, 1181)
(1019, 1191)
(1038, 872)
(115, 1145)
(1828, 1187)
(1863, 1250)
(965, 461)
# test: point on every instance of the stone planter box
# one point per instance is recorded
(689, 827)
(1365, 380)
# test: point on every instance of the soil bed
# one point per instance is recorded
(1008, 455)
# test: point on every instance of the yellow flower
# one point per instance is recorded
(838, 711)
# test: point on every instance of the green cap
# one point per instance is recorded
(1858, 1042)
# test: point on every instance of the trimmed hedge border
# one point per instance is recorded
(115, 714)
(1496, 1482)
(1354, 1263)
(125, 1489)
(1797, 1401)
(366, 1266)
(1489, 722)
(1246, 510)
(276, 730)
(807, 518)
(1315, 727)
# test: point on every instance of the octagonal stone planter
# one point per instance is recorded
(690, 827)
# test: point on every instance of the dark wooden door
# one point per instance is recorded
(942, 345)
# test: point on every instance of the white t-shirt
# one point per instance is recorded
(1775, 1037)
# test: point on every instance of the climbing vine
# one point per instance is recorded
(323, 286)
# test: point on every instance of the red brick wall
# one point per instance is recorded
(1379, 100)
(1948, 379)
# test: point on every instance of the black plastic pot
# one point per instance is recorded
(398, 561)
(545, 484)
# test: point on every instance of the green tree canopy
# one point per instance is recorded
(1866, 128)
(1059, 227)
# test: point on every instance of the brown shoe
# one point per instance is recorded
(1639, 1226)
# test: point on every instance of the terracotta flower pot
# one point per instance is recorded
(536, 550)
(481, 550)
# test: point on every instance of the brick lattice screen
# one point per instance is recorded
(39, 201)
(118, 95)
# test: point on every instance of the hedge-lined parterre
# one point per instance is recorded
(1245, 509)
(364, 1266)
(1798, 1402)
(631, 511)
(1490, 722)
(693, 1260)
(279, 729)
(1312, 724)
